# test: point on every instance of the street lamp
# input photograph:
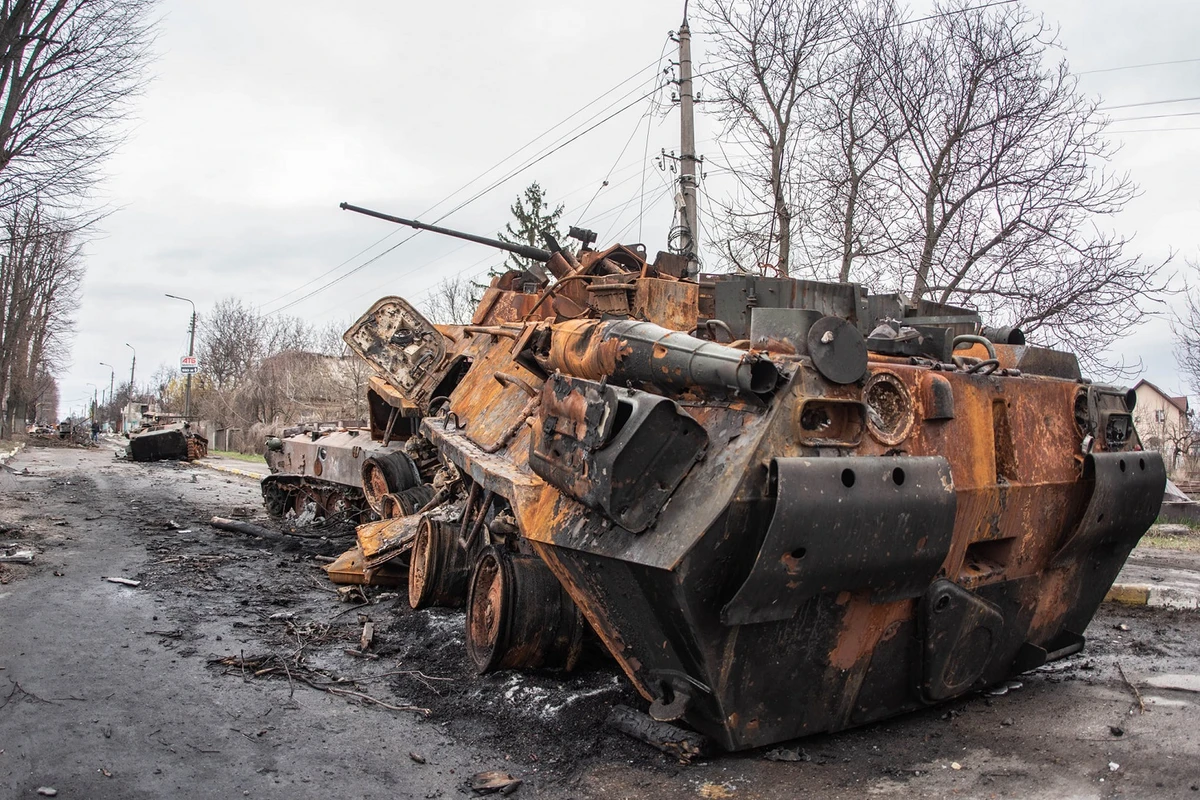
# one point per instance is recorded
(95, 391)
(187, 394)
(112, 376)
(132, 367)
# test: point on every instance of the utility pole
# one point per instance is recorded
(187, 392)
(112, 376)
(687, 148)
(132, 367)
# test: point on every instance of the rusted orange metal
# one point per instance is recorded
(860, 508)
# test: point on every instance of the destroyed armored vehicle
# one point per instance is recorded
(359, 473)
(782, 506)
(171, 442)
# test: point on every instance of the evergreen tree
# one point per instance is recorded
(531, 216)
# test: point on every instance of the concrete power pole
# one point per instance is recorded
(132, 367)
(687, 147)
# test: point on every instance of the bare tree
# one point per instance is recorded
(769, 56)
(452, 301)
(1002, 171)
(1185, 328)
(68, 69)
(40, 274)
(849, 151)
(951, 158)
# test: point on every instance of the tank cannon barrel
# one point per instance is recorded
(523, 250)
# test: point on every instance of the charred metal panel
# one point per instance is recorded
(959, 635)
(623, 458)
(737, 296)
(397, 341)
(175, 442)
(845, 524)
(1126, 496)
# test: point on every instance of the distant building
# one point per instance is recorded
(1164, 423)
(138, 413)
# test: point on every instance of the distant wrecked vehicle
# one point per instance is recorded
(175, 442)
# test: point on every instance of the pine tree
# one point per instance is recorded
(531, 216)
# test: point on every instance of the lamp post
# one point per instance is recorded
(187, 392)
(132, 367)
(112, 376)
(95, 391)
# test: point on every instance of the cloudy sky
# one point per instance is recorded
(263, 116)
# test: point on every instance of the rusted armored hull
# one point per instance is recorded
(861, 507)
(788, 589)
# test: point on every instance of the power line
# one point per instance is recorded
(1160, 116)
(468, 201)
(1139, 66)
(1149, 103)
(429, 210)
(1154, 130)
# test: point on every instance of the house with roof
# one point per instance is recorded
(1164, 423)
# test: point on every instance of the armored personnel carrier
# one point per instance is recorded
(782, 506)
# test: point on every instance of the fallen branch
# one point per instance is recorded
(423, 711)
(1141, 704)
(250, 529)
(674, 741)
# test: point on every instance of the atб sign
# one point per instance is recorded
(189, 365)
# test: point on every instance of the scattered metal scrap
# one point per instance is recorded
(782, 506)
(16, 554)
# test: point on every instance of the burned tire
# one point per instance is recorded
(402, 504)
(519, 616)
(391, 473)
(438, 567)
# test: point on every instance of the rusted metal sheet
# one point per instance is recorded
(670, 303)
(351, 568)
(381, 541)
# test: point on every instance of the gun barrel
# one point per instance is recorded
(523, 250)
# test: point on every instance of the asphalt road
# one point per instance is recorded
(211, 679)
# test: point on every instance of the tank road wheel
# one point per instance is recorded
(390, 473)
(437, 569)
(276, 499)
(519, 616)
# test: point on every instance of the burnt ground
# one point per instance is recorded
(225, 674)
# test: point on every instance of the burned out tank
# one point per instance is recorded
(356, 473)
(782, 506)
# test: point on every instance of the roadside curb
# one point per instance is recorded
(231, 470)
(5, 455)
(1136, 594)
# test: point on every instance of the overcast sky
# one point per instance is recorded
(263, 116)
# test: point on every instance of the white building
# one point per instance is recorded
(1163, 423)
